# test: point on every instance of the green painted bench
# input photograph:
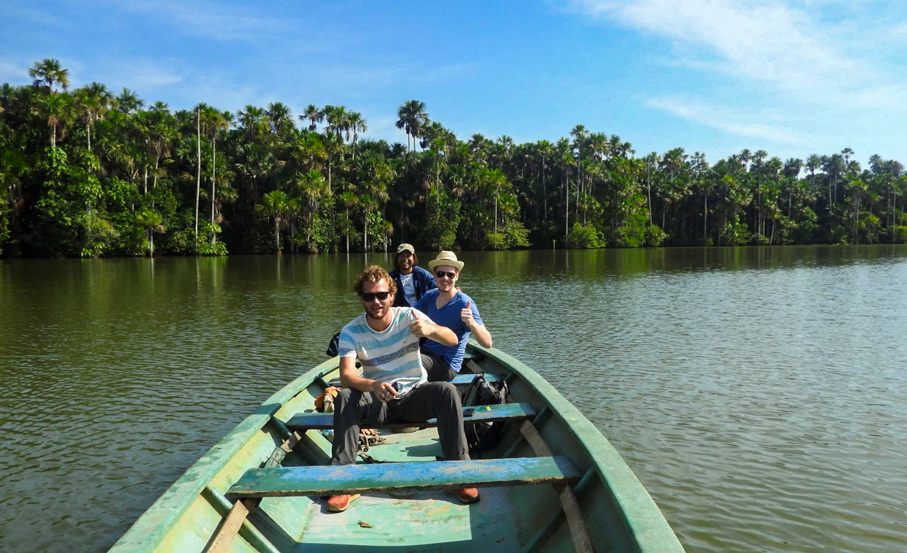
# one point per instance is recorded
(383, 477)
(482, 413)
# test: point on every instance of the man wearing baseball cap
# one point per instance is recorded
(412, 281)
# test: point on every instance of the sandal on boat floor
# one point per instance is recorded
(339, 503)
(466, 495)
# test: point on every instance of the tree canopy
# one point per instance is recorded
(91, 173)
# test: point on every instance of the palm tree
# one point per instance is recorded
(546, 151)
(48, 73)
(95, 100)
(313, 115)
(375, 174)
(356, 126)
(281, 118)
(580, 136)
(198, 178)
(213, 122)
(338, 120)
(58, 110)
(310, 187)
(151, 222)
(129, 102)
(273, 206)
(673, 162)
(412, 117)
(162, 135)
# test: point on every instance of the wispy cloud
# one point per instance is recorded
(788, 46)
(12, 72)
(214, 20)
(32, 15)
(729, 121)
(141, 74)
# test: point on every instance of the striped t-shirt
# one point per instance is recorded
(387, 356)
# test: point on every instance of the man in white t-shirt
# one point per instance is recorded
(393, 385)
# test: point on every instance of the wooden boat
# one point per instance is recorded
(552, 483)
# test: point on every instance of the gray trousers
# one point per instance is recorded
(438, 370)
(430, 400)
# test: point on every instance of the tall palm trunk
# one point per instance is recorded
(198, 180)
(213, 179)
(277, 234)
(566, 207)
(544, 193)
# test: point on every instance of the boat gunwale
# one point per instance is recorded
(641, 515)
(153, 526)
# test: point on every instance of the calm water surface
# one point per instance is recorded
(759, 394)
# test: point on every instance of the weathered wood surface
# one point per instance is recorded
(482, 413)
(347, 479)
(459, 380)
(578, 531)
(231, 525)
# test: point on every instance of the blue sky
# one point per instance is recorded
(792, 77)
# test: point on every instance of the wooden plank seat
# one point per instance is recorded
(383, 477)
(482, 413)
(461, 379)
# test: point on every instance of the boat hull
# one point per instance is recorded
(611, 506)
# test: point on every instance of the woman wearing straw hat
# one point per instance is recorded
(447, 305)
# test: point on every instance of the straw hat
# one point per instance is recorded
(446, 258)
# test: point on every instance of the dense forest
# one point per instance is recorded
(92, 173)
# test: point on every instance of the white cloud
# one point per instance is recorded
(729, 121)
(789, 46)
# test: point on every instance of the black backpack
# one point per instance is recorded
(334, 346)
(483, 435)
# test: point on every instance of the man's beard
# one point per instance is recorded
(371, 315)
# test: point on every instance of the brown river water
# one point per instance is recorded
(759, 394)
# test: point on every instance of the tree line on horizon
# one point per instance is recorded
(90, 173)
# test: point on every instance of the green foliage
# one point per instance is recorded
(584, 237)
(634, 232)
(514, 236)
(4, 226)
(900, 235)
(735, 233)
(87, 174)
(218, 248)
(654, 236)
(208, 244)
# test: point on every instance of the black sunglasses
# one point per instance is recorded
(442, 274)
(371, 296)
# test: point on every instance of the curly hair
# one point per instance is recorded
(374, 274)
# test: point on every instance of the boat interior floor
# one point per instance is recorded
(414, 521)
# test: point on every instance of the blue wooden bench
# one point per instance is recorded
(461, 379)
(482, 413)
(384, 477)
